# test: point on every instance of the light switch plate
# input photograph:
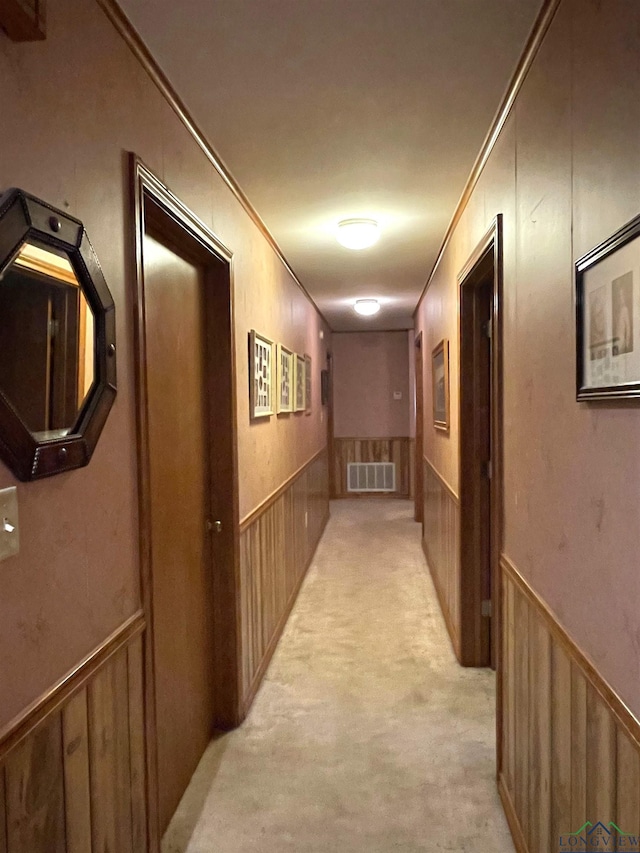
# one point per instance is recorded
(397, 395)
(9, 530)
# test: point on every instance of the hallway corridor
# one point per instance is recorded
(366, 734)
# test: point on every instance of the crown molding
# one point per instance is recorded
(142, 53)
(536, 37)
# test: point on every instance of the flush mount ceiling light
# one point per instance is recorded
(366, 307)
(358, 233)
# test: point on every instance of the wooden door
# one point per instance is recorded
(40, 318)
(480, 319)
(475, 464)
(25, 314)
(65, 314)
(418, 464)
(330, 428)
(180, 498)
(480, 419)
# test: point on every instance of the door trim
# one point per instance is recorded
(488, 250)
(331, 448)
(418, 487)
(150, 197)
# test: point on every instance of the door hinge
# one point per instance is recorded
(487, 469)
(488, 329)
(487, 608)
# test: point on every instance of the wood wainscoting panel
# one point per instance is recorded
(137, 753)
(412, 468)
(35, 795)
(72, 783)
(108, 710)
(75, 733)
(441, 545)
(397, 450)
(276, 547)
(570, 746)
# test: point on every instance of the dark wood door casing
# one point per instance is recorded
(480, 418)
(419, 442)
(159, 212)
(331, 429)
(475, 458)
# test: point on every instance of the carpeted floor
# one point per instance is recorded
(366, 735)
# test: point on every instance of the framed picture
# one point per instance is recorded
(324, 387)
(284, 393)
(608, 317)
(307, 384)
(260, 375)
(440, 375)
(301, 383)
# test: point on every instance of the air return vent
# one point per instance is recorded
(371, 477)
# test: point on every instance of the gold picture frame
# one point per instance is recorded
(261, 373)
(307, 384)
(440, 385)
(300, 383)
(285, 382)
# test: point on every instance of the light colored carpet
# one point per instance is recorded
(366, 735)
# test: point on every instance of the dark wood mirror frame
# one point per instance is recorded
(24, 217)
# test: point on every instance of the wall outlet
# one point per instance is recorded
(9, 530)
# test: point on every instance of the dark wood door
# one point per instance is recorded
(476, 301)
(482, 443)
(419, 443)
(41, 320)
(180, 490)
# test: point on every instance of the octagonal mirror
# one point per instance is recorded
(57, 340)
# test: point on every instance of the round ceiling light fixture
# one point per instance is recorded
(366, 307)
(358, 233)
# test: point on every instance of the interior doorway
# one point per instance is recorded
(481, 450)
(188, 489)
(418, 464)
(327, 397)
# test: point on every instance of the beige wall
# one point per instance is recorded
(565, 174)
(75, 104)
(368, 368)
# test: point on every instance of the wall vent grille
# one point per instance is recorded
(371, 477)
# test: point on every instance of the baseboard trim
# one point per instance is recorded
(247, 700)
(442, 601)
(512, 818)
(35, 714)
(620, 711)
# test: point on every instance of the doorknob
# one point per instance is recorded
(213, 526)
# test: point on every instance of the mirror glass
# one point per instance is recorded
(47, 337)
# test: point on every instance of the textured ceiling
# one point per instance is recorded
(328, 109)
